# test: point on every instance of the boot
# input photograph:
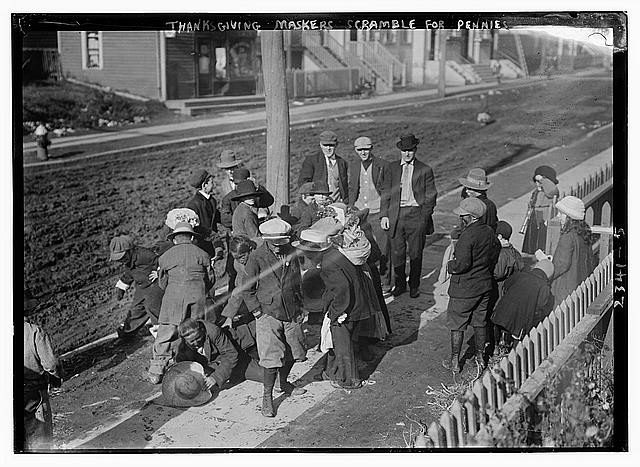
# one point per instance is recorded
(480, 339)
(267, 394)
(400, 281)
(156, 370)
(286, 386)
(456, 346)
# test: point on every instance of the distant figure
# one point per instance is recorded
(573, 259)
(327, 167)
(476, 185)
(541, 209)
(41, 135)
(41, 370)
(206, 207)
(228, 162)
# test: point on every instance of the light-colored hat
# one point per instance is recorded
(362, 143)
(546, 266)
(119, 246)
(312, 240)
(329, 226)
(476, 180)
(328, 137)
(228, 159)
(183, 385)
(471, 206)
(341, 211)
(275, 229)
(572, 207)
(182, 227)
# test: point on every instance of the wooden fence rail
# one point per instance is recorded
(468, 416)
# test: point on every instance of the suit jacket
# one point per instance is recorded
(245, 221)
(474, 258)
(377, 171)
(142, 262)
(209, 215)
(424, 190)
(228, 205)
(220, 355)
(314, 169)
(275, 287)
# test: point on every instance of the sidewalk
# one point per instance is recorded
(74, 148)
(406, 363)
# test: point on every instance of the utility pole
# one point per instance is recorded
(442, 52)
(277, 109)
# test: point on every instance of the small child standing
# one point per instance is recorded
(183, 272)
(41, 135)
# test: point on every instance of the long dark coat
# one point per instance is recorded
(377, 174)
(314, 169)
(209, 215)
(573, 261)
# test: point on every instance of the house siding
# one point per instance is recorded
(129, 61)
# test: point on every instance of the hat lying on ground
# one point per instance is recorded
(119, 246)
(183, 385)
(240, 174)
(181, 227)
(546, 172)
(572, 207)
(312, 240)
(504, 228)
(314, 188)
(471, 206)
(476, 180)
(228, 159)
(546, 266)
(407, 142)
(245, 189)
(328, 137)
(198, 177)
(275, 229)
(363, 143)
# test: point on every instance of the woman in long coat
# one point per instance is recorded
(573, 258)
(541, 206)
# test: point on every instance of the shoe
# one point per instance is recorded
(154, 378)
(291, 390)
(397, 291)
(337, 385)
(125, 336)
(414, 293)
(153, 330)
(267, 406)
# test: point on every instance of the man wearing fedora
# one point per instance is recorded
(41, 370)
(406, 206)
(206, 207)
(245, 216)
(313, 195)
(474, 258)
(184, 273)
(140, 267)
(228, 162)
(365, 190)
(327, 167)
(275, 299)
(476, 185)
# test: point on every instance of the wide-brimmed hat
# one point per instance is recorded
(546, 172)
(183, 385)
(182, 227)
(312, 240)
(275, 229)
(197, 178)
(245, 189)
(119, 247)
(476, 180)
(240, 174)
(407, 142)
(572, 207)
(471, 206)
(314, 188)
(363, 142)
(228, 159)
(328, 137)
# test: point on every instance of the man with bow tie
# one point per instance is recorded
(406, 208)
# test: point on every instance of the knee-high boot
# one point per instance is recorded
(456, 346)
(480, 338)
(267, 395)
(286, 386)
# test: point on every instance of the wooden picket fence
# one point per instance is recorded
(458, 426)
(589, 185)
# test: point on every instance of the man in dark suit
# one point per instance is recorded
(365, 191)
(327, 167)
(206, 207)
(275, 299)
(407, 203)
(474, 258)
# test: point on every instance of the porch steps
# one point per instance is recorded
(201, 106)
(484, 72)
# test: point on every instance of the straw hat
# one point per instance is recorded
(182, 227)
(183, 385)
(476, 180)
(312, 240)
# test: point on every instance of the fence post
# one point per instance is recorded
(481, 393)
(521, 352)
(471, 407)
(517, 368)
(446, 420)
(543, 335)
(501, 388)
(489, 382)
(436, 433)
(457, 410)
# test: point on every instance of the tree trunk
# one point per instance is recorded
(277, 109)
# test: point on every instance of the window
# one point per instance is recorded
(392, 37)
(92, 50)
(405, 37)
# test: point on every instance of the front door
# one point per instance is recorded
(204, 66)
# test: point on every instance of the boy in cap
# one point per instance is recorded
(140, 267)
(228, 162)
(406, 206)
(327, 167)
(474, 258)
(205, 206)
(184, 273)
(366, 175)
(41, 369)
(476, 185)
(509, 260)
(527, 300)
(275, 299)
(313, 195)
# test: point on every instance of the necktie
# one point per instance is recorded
(405, 183)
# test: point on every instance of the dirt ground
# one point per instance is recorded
(71, 213)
